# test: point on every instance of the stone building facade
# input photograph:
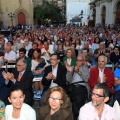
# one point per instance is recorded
(20, 10)
(107, 11)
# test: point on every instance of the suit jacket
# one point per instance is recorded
(114, 58)
(63, 114)
(60, 78)
(26, 85)
(94, 73)
(4, 90)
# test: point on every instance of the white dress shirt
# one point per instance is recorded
(88, 112)
(54, 72)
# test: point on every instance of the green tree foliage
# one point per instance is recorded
(47, 11)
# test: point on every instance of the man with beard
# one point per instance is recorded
(97, 109)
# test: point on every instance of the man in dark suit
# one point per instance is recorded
(22, 77)
(115, 56)
(55, 75)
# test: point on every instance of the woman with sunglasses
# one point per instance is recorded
(57, 107)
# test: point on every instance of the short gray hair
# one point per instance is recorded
(105, 88)
(81, 55)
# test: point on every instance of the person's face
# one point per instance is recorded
(59, 47)
(97, 97)
(35, 54)
(79, 61)
(84, 52)
(73, 46)
(102, 46)
(101, 61)
(54, 61)
(97, 40)
(34, 46)
(16, 99)
(55, 100)
(116, 50)
(21, 54)
(46, 46)
(20, 66)
(69, 53)
(7, 49)
(18, 39)
(26, 42)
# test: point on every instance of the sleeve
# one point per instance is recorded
(82, 114)
(14, 56)
(32, 115)
(110, 80)
(92, 79)
(46, 82)
(61, 79)
(7, 112)
(27, 81)
(116, 74)
(85, 74)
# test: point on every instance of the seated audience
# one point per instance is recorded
(116, 95)
(10, 56)
(46, 51)
(57, 107)
(22, 53)
(34, 46)
(69, 61)
(60, 52)
(115, 55)
(38, 66)
(80, 89)
(22, 77)
(18, 110)
(101, 74)
(97, 109)
(4, 90)
(55, 75)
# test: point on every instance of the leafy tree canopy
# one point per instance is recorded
(47, 11)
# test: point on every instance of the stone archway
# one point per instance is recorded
(103, 15)
(117, 13)
(21, 18)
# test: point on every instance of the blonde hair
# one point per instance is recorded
(73, 55)
(65, 98)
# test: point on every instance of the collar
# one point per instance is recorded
(22, 72)
(55, 67)
(102, 70)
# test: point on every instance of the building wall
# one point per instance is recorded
(74, 7)
(15, 7)
(110, 11)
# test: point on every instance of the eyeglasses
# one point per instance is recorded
(79, 60)
(19, 65)
(97, 95)
(55, 99)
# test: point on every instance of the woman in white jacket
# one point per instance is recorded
(18, 110)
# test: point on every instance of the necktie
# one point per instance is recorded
(19, 77)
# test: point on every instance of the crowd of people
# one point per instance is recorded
(64, 67)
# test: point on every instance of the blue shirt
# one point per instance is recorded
(117, 75)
